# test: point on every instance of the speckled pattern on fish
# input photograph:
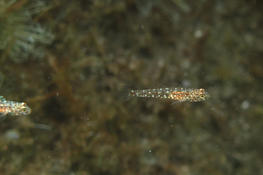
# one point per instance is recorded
(13, 108)
(175, 94)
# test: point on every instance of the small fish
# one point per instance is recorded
(175, 94)
(13, 108)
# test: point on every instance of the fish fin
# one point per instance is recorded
(2, 117)
(125, 93)
(2, 98)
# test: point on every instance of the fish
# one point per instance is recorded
(13, 108)
(174, 94)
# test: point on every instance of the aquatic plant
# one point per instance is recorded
(21, 35)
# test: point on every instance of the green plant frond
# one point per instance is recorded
(20, 36)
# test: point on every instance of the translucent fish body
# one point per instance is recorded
(175, 94)
(13, 108)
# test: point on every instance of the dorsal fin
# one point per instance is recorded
(2, 98)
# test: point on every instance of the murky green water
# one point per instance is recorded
(74, 62)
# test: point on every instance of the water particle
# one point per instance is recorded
(198, 33)
(245, 104)
(12, 135)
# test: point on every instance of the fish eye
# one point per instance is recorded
(25, 109)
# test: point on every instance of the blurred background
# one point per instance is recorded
(73, 63)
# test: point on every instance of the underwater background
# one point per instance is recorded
(74, 62)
